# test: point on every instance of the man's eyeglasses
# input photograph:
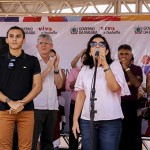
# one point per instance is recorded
(44, 43)
(100, 44)
(11, 64)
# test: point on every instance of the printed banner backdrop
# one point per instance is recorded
(71, 34)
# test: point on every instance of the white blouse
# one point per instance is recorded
(107, 104)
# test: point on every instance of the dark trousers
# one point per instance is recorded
(73, 143)
(106, 134)
(44, 126)
(131, 127)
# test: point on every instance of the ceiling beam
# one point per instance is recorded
(57, 8)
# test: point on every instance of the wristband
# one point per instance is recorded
(107, 69)
(56, 72)
(128, 69)
(7, 100)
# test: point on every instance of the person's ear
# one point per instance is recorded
(37, 46)
(107, 51)
(90, 53)
(6, 40)
(24, 40)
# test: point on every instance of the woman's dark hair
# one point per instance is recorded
(89, 59)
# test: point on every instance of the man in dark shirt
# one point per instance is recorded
(131, 131)
(20, 82)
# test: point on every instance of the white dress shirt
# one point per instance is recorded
(47, 99)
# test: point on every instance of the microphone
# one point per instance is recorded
(96, 53)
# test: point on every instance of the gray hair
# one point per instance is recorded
(46, 36)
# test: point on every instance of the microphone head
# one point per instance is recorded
(97, 52)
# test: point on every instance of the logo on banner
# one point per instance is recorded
(109, 30)
(142, 30)
(47, 30)
(138, 30)
(28, 30)
(73, 30)
(146, 60)
(146, 64)
(83, 30)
